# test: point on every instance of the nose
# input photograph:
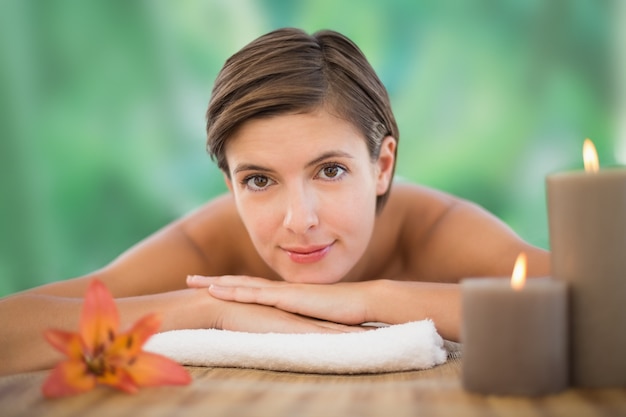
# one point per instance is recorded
(301, 210)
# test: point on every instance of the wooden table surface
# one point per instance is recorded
(247, 392)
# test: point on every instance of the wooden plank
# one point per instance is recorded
(248, 392)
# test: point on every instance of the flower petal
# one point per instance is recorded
(129, 344)
(119, 378)
(145, 327)
(68, 378)
(65, 342)
(99, 320)
(150, 369)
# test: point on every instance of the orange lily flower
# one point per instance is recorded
(98, 354)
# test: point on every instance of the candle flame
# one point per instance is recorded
(518, 279)
(590, 156)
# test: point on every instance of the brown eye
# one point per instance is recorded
(331, 172)
(260, 182)
(257, 182)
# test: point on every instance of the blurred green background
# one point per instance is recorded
(102, 108)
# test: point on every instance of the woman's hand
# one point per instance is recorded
(257, 318)
(344, 303)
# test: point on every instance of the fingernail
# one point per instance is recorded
(216, 288)
(193, 278)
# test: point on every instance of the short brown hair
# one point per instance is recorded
(289, 71)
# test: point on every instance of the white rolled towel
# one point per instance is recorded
(401, 347)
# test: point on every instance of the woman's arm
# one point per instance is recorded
(149, 277)
(26, 316)
(156, 265)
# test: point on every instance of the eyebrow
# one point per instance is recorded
(322, 157)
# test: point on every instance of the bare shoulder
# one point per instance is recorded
(403, 228)
(413, 211)
(444, 238)
(202, 242)
(219, 235)
(213, 220)
(416, 207)
(423, 208)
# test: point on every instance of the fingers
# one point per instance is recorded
(240, 294)
(331, 303)
(269, 296)
(340, 328)
(264, 319)
(242, 289)
(200, 281)
(303, 325)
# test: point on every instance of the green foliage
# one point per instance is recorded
(102, 109)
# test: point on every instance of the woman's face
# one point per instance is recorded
(306, 188)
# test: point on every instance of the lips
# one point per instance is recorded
(309, 254)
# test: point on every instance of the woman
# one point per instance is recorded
(303, 131)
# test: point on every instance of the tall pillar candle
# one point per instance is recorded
(587, 222)
(514, 338)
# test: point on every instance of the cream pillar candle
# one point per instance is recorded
(587, 220)
(514, 339)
